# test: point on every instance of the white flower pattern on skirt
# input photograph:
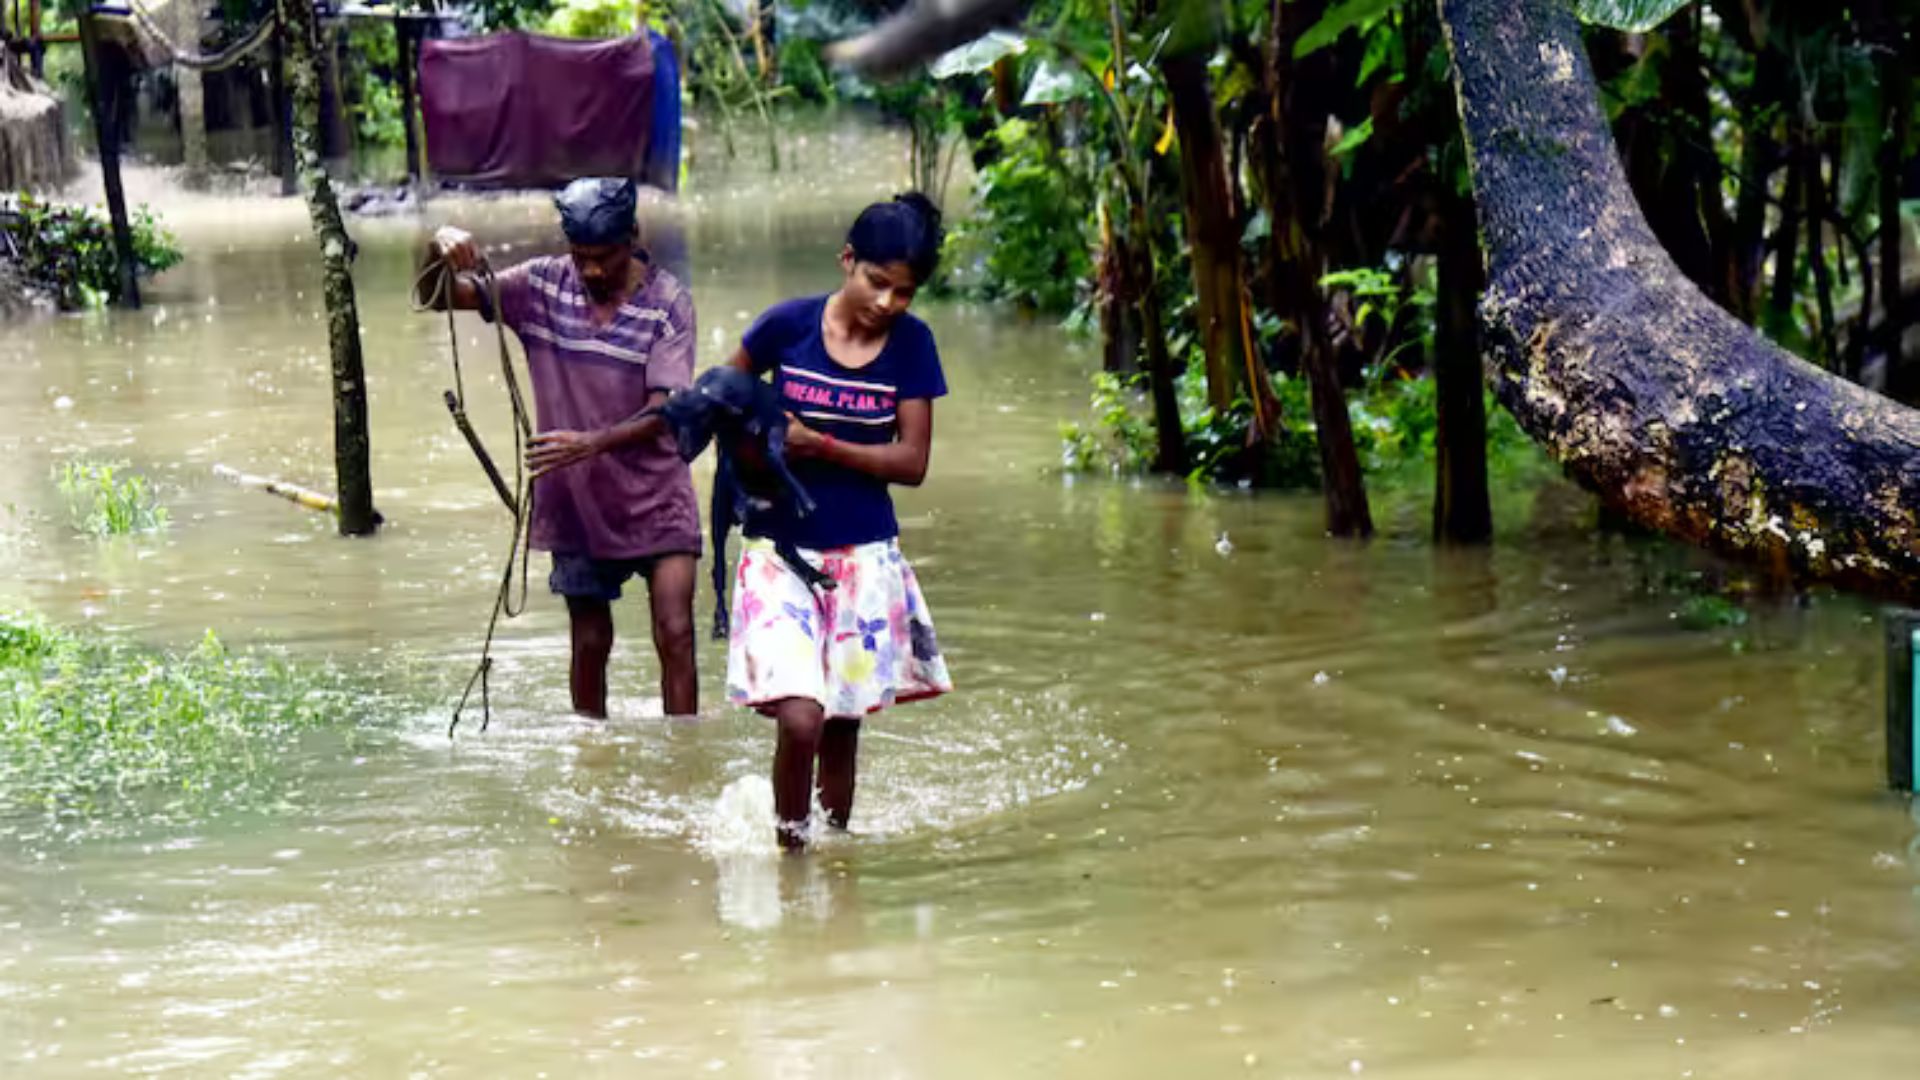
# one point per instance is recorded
(864, 645)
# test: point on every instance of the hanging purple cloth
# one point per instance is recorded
(518, 110)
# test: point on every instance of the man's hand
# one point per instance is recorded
(551, 450)
(457, 249)
(803, 441)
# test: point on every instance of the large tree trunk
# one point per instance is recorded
(1295, 154)
(108, 85)
(1653, 396)
(351, 452)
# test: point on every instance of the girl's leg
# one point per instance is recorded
(839, 747)
(800, 721)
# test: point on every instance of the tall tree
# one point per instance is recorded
(351, 448)
(1293, 149)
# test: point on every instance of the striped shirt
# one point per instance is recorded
(629, 503)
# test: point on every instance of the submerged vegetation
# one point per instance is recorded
(67, 251)
(89, 726)
(103, 499)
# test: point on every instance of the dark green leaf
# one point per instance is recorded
(1342, 17)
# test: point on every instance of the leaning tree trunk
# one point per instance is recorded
(350, 445)
(1672, 410)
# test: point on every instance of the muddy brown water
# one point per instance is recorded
(1278, 807)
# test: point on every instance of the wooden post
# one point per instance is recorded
(1903, 768)
(37, 42)
(1462, 505)
(105, 90)
(190, 93)
(406, 34)
(282, 109)
(351, 449)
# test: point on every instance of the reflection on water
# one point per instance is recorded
(1281, 807)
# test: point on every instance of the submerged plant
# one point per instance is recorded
(68, 250)
(105, 500)
(89, 725)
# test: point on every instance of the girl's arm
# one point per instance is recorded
(903, 461)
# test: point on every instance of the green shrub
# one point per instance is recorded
(87, 724)
(68, 250)
(105, 500)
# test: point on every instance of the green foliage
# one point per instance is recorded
(494, 15)
(591, 19)
(68, 250)
(89, 726)
(105, 500)
(1342, 16)
(1395, 424)
(1025, 241)
(1709, 611)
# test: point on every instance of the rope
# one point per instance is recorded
(220, 61)
(519, 500)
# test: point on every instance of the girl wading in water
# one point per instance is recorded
(858, 376)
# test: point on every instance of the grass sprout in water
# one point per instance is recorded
(90, 728)
(106, 500)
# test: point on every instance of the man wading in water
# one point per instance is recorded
(607, 334)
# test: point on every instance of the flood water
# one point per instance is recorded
(1280, 807)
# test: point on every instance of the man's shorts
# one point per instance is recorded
(583, 577)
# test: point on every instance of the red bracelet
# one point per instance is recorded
(827, 442)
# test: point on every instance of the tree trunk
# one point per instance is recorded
(1171, 435)
(1119, 315)
(351, 452)
(336, 133)
(407, 43)
(107, 84)
(1462, 508)
(1650, 394)
(1213, 234)
(1759, 159)
(1778, 319)
(190, 93)
(283, 165)
(1295, 162)
(36, 42)
(1896, 80)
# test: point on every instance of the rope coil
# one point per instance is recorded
(519, 498)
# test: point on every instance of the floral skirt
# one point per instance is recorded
(859, 647)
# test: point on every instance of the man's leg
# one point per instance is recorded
(800, 721)
(670, 588)
(592, 644)
(839, 748)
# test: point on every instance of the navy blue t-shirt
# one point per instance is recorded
(854, 405)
